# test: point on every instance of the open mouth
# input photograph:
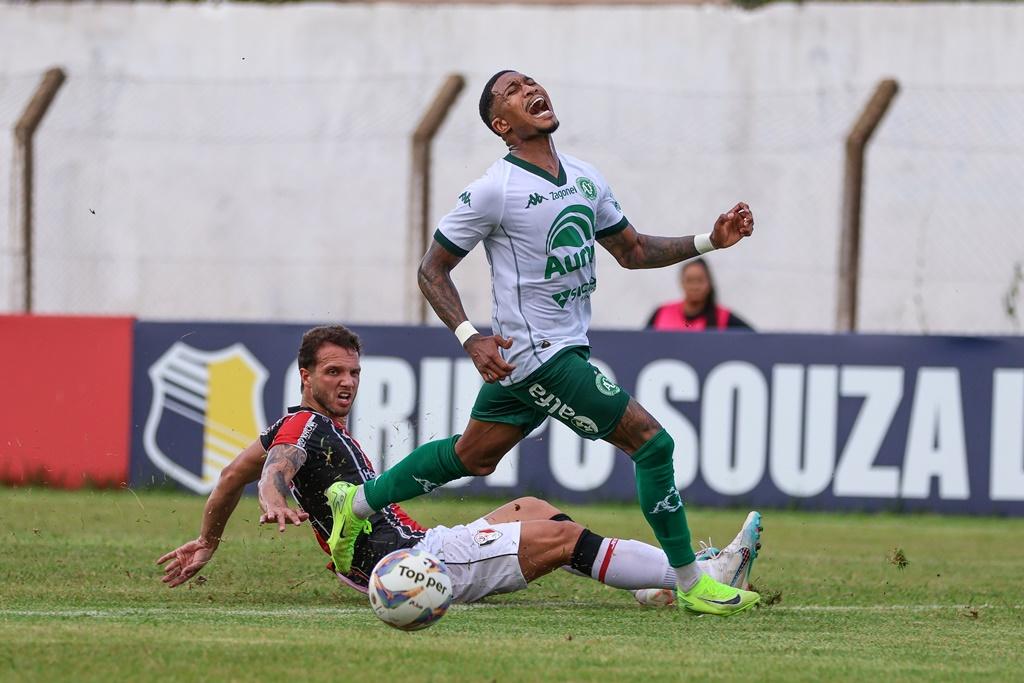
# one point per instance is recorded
(538, 106)
(344, 397)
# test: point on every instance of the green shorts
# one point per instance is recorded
(567, 388)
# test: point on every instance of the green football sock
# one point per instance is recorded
(659, 499)
(429, 466)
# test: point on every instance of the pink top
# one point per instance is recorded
(672, 317)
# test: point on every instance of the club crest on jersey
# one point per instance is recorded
(570, 241)
(212, 404)
(587, 187)
(605, 385)
(486, 536)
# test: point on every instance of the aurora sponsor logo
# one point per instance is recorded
(556, 407)
(570, 241)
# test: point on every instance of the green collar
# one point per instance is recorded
(538, 171)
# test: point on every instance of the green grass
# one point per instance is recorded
(80, 599)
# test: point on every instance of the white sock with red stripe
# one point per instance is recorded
(624, 563)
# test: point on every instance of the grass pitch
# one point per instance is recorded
(880, 597)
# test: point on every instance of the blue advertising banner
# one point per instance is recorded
(809, 421)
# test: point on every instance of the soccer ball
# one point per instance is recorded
(410, 589)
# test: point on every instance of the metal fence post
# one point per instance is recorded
(419, 192)
(853, 192)
(24, 131)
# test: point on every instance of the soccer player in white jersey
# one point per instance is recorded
(540, 214)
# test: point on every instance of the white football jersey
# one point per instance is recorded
(539, 232)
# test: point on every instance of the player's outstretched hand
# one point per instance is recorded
(282, 515)
(183, 563)
(484, 352)
(732, 226)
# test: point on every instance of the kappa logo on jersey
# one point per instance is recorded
(587, 187)
(466, 198)
(669, 503)
(572, 231)
(486, 536)
(535, 199)
(218, 396)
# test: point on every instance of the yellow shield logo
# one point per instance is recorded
(212, 398)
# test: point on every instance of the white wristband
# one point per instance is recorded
(703, 243)
(464, 331)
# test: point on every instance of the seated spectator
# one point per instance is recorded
(699, 309)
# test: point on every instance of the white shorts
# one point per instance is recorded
(482, 558)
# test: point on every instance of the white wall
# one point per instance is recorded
(252, 162)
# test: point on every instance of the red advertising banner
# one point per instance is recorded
(65, 408)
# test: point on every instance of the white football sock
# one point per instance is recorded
(635, 564)
(688, 575)
(360, 507)
(624, 563)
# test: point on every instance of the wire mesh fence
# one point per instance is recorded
(249, 199)
(223, 199)
(943, 249)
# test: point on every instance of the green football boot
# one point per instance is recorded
(711, 597)
(346, 527)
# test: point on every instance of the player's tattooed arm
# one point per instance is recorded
(283, 461)
(435, 282)
(635, 250)
(243, 470)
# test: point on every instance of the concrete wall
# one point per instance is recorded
(242, 162)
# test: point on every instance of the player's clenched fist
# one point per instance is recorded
(488, 361)
(732, 226)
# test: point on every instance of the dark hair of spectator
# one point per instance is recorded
(313, 339)
(487, 99)
(711, 302)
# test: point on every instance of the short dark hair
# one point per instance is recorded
(313, 339)
(487, 99)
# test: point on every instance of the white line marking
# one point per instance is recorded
(342, 611)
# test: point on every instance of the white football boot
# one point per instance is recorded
(730, 566)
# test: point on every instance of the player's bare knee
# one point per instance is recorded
(529, 507)
(479, 469)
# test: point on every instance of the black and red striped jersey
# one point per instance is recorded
(333, 455)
